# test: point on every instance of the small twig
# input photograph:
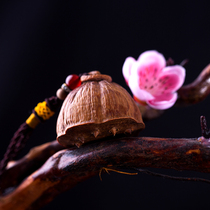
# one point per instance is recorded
(110, 169)
(170, 62)
(194, 179)
(204, 129)
(184, 62)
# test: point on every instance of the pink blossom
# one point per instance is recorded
(151, 81)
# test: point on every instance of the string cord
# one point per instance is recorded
(40, 113)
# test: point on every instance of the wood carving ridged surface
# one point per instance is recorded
(97, 109)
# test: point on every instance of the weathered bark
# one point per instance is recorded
(19, 170)
(67, 167)
(196, 91)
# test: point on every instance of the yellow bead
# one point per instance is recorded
(32, 121)
(43, 110)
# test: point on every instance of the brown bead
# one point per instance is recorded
(97, 109)
(61, 94)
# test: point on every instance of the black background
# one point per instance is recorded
(43, 41)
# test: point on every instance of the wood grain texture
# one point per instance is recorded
(95, 110)
(196, 91)
(67, 168)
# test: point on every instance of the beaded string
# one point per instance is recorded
(42, 112)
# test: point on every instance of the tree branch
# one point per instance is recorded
(18, 170)
(196, 91)
(67, 167)
(19, 189)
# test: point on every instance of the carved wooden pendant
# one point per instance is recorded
(97, 109)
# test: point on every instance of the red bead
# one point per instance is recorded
(73, 81)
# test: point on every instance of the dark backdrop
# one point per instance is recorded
(43, 41)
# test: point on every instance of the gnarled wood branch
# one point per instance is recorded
(18, 170)
(67, 167)
(196, 91)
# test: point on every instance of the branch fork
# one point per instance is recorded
(49, 169)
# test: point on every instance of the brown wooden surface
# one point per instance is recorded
(196, 91)
(66, 168)
(24, 185)
(20, 169)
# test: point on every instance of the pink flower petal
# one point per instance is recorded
(170, 80)
(147, 74)
(126, 69)
(177, 70)
(151, 81)
(163, 101)
(148, 67)
(152, 56)
(137, 91)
